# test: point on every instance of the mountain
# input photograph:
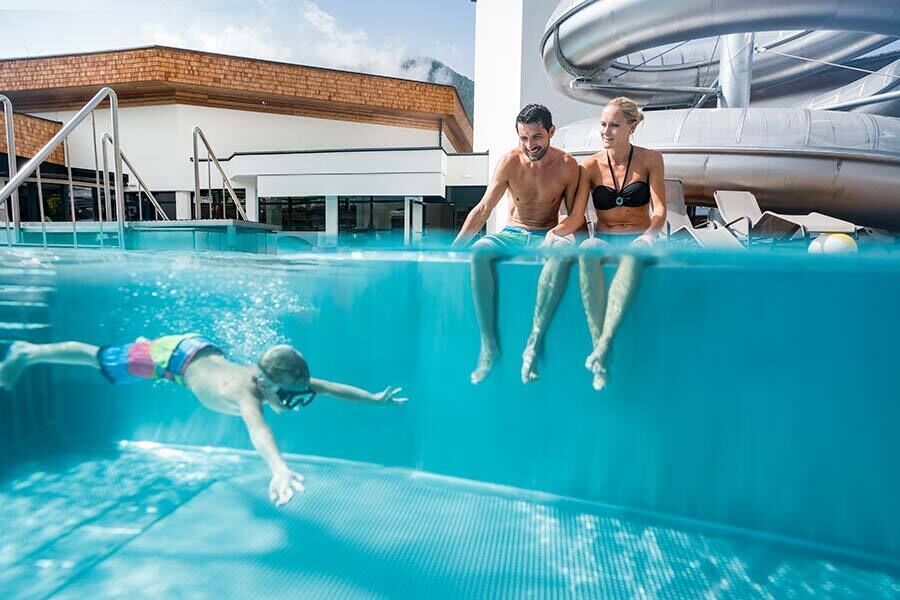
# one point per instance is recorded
(423, 68)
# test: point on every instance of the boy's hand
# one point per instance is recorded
(389, 396)
(283, 486)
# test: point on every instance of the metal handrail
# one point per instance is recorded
(32, 165)
(211, 158)
(12, 203)
(107, 139)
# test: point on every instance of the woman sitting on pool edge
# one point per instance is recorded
(630, 212)
(280, 379)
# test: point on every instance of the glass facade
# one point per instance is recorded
(212, 205)
(364, 219)
(57, 207)
(166, 201)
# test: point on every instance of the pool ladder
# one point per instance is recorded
(197, 133)
(9, 192)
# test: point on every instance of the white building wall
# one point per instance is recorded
(157, 139)
(509, 74)
(467, 169)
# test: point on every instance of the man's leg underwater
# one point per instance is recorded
(551, 286)
(22, 355)
(484, 294)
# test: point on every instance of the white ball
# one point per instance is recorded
(833, 243)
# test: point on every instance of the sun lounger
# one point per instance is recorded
(741, 213)
(679, 226)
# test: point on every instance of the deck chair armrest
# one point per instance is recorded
(743, 218)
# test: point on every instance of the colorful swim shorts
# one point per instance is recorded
(165, 358)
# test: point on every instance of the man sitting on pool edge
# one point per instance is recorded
(280, 379)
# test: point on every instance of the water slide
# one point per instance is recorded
(795, 159)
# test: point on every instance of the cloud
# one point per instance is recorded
(242, 41)
(332, 46)
(154, 33)
(239, 41)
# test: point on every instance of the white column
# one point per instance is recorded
(736, 70)
(498, 87)
(416, 218)
(331, 220)
(407, 212)
(182, 205)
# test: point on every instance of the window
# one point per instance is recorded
(166, 201)
(293, 213)
(211, 205)
(365, 220)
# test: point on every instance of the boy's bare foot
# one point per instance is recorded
(486, 359)
(15, 362)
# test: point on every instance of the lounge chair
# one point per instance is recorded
(678, 224)
(741, 213)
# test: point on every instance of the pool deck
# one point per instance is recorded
(155, 521)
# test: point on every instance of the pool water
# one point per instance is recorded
(744, 448)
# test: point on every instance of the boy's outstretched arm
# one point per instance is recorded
(284, 481)
(348, 392)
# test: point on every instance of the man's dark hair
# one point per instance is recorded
(535, 113)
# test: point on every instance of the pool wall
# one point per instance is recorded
(222, 235)
(757, 392)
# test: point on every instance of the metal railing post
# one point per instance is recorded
(40, 190)
(100, 199)
(71, 193)
(117, 160)
(196, 179)
(12, 203)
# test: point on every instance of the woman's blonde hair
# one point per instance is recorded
(631, 111)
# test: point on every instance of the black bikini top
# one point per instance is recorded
(636, 193)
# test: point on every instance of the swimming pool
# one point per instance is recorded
(745, 446)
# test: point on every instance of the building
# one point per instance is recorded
(327, 154)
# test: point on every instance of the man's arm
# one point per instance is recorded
(349, 392)
(284, 481)
(479, 215)
(575, 202)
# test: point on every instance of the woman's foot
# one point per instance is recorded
(15, 362)
(596, 364)
(529, 369)
(486, 359)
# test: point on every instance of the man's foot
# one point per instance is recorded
(486, 359)
(15, 362)
(529, 370)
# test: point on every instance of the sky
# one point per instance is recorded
(373, 36)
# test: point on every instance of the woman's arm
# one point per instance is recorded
(657, 178)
